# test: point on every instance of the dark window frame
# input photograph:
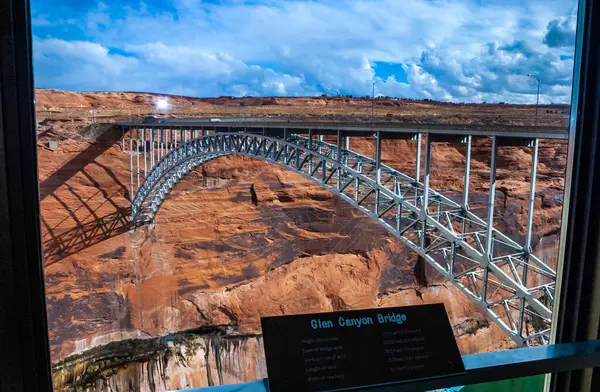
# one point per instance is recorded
(24, 353)
(578, 283)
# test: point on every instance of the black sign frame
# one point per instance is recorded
(360, 348)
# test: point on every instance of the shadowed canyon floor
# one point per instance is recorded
(238, 239)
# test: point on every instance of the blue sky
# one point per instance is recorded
(449, 50)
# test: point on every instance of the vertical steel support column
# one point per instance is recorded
(175, 139)
(377, 169)
(339, 158)
(490, 223)
(151, 148)
(527, 247)
(534, 163)
(467, 174)
(285, 136)
(145, 156)
(310, 148)
(467, 182)
(320, 145)
(347, 146)
(159, 144)
(137, 150)
(131, 195)
(425, 206)
(123, 138)
(167, 138)
(418, 164)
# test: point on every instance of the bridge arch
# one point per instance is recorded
(441, 231)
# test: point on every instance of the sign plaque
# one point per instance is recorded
(343, 350)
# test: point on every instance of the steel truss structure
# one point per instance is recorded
(513, 287)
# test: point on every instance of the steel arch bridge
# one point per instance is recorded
(513, 287)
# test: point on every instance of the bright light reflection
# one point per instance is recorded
(162, 104)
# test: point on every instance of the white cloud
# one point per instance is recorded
(78, 65)
(89, 52)
(449, 49)
(98, 19)
(156, 67)
(561, 32)
(498, 73)
(41, 20)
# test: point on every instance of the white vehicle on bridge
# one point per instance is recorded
(215, 120)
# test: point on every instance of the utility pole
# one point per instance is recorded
(373, 102)
(537, 101)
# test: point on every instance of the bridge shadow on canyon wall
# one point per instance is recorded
(89, 217)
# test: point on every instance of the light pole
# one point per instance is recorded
(537, 101)
(373, 102)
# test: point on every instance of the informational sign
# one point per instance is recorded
(342, 350)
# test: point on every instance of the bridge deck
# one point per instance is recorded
(388, 130)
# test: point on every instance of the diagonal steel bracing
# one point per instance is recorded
(503, 278)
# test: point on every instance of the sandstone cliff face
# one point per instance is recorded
(238, 239)
(172, 362)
